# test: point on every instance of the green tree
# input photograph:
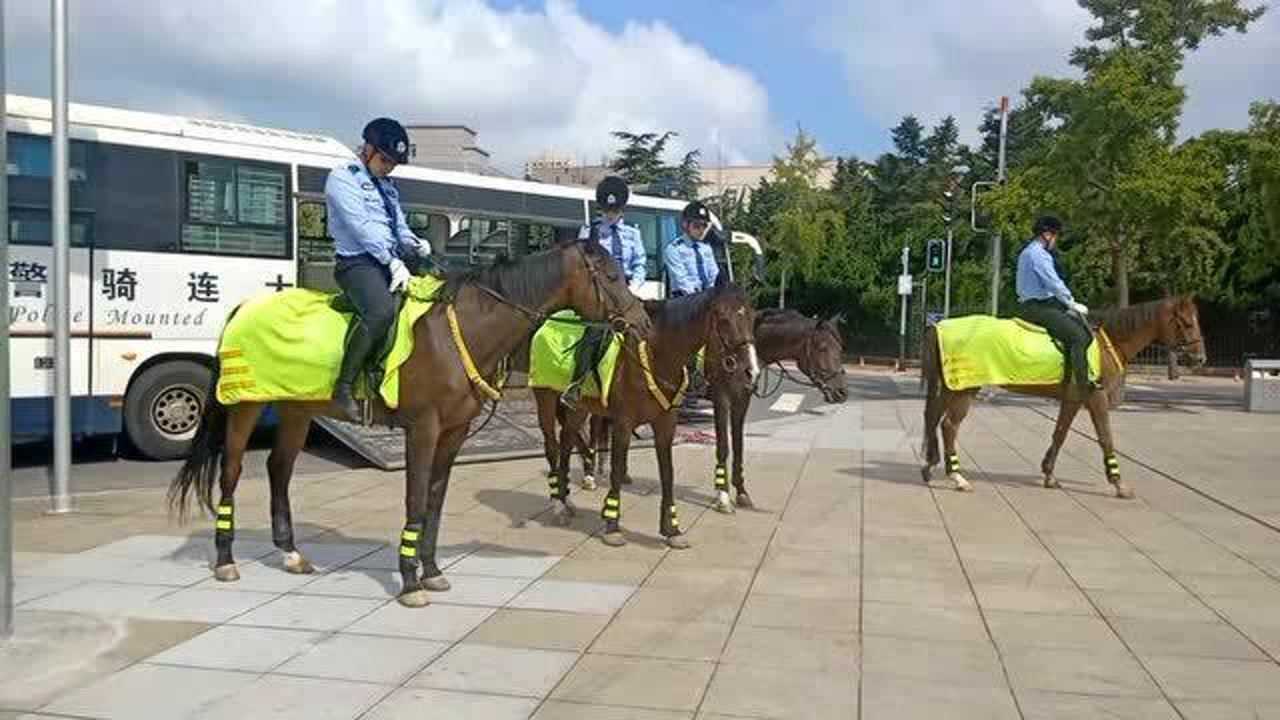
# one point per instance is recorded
(806, 220)
(640, 162)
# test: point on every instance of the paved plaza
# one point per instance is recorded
(853, 591)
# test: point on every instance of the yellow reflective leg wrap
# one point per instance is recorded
(1113, 467)
(612, 508)
(722, 478)
(675, 519)
(409, 542)
(953, 463)
(226, 518)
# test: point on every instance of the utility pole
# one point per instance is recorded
(60, 481)
(6, 476)
(1000, 178)
(904, 290)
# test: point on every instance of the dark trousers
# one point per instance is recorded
(587, 354)
(364, 280)
(1067, 329)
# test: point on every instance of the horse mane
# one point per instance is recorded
(527, 280)
(1127, 320)
(684, 310)
(779, 315)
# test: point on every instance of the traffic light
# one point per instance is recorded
(935, 256)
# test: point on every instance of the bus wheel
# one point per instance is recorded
(163, 407)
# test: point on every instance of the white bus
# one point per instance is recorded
(174, 221)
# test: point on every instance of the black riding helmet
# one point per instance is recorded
(612, 193)
(696, 211)
(389, 137)
(1048, 223)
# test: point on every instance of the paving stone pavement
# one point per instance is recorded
(854, 591)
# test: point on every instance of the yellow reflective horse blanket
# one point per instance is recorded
(288, 346)
(980, 350)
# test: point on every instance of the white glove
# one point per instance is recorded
(1079, 309)
(399, 275)
(420, 246)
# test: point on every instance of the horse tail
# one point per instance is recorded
(200, 471)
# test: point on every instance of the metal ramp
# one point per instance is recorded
(512, 433)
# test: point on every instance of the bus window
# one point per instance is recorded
(431, 227)
(235, 209)
(135, 198)
(29, 226)
(31, 156)
(314, 243)
(480, 240)
(531, 237)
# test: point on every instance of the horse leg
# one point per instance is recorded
(562, 511)
(586, 448)
(420, 447)
(664, 434)
(1098, 410)
(720, 402)
(620, 431)
(956, 411)
(737, 420)
(290, 437)
(935, 407)
(549, 413)
(1067, 410)
(447, 447)
(241, 420)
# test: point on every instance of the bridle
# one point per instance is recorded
(813, 378)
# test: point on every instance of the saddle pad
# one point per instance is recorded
(551, 357)
(288, 346)
(980, 350)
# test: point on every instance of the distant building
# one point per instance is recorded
(561, 169)
(449, 147)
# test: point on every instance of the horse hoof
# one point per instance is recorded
(745, 502)
(926, 475)
(226, 573)
(614, 539)
(295, 563)
(436, 584)
(588, 482)
(1051, 482)
(724, 507)
(677, 542)
(961, 484)
(1124, 492)
(626, 480)
(414, 599)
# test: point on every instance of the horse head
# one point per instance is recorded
(597, 288)
(1180, 330)
(731, 335)
(821, 359)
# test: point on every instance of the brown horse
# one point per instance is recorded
(648, 383)
(445, 384)
(815, 346)
(1174, 322)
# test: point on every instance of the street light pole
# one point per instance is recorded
(946, 301)
(995, 238)
(61, 479)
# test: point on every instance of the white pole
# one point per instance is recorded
(946, 301)
(995, 239)
(60, 481)
(6, 479)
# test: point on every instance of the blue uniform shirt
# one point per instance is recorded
(1037, 277)
(633, 259)
(357, 217)
(681, 258)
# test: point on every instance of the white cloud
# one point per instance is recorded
(934, 58)
(527, 80)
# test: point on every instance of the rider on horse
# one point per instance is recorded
(1045, 300)
(374, 247)
(624, 243)
(691, 263)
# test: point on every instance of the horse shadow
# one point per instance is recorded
(901, 473)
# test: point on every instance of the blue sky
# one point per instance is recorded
(556, 76)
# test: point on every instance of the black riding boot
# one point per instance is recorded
(359, 344)
(585, 359)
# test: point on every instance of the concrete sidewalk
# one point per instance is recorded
(855, 591)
